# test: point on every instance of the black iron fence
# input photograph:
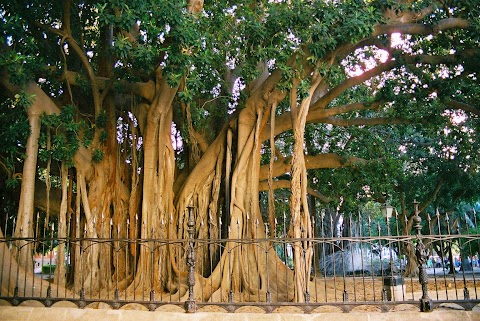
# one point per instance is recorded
(356, 262)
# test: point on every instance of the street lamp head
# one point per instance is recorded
(387, 210)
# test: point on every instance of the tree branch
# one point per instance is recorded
(144, 90)
(66, 17)
(432, 196)
(422, 29)
(311, 162)
(83, 58)
(283, 122)
(462, 106)
(363, 121)
(350, 82)
(445, 59)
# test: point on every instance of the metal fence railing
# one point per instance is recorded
(356, 262)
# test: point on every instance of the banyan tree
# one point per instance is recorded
(139, 110)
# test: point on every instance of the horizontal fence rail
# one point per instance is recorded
(356, 262)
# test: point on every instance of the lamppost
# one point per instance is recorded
(392, 284)
(387, 211)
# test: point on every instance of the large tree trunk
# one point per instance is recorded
(411, 268)
(301, 221)
(243, 272)
(41, 104)
(158, 217)
(60, 270)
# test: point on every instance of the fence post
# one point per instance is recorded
(426, 304)
(190, 304)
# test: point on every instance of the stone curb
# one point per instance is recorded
(74, 314)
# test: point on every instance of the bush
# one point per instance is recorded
(48, 269)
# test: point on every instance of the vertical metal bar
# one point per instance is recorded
(450, 255)
(477, 263)
(344, 275)
(152, 266)
(37, 231)
(390, 253)
(10, 245)
(285, 253)
(248, 246)
(41, 261)
(240, 248)
(127, 245)
(212, 247)
(442, 250)
(135, 262)
(91, 259)
(230, 268)
(15, 291)
(268, 297)
(349, 246)
(190, 304)
(257, 259)
(3, 253)
(275, 245)
(360, 234)
(398, 247)
(307, 293)
(431, 232)
(202, 261)
(180, 231)
(221, 251)
(162, 223)
(49, 289)
(82, 266)
(144, 267)
(466, 293)
(59, 241)
(68, 250)
(470, 247)
(117, 249)
(324, 254)
(426, 304)
(382, 270)
(151, 305)
(100, 249)
(27, 254)
(108, 268)
(315, 254)
(372, 267)
(333, 257)
(174, 249)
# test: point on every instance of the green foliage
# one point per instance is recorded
(97, 155)
(101, 120)
(14, 127)
(48, 269)
(65, 133)
(20, 67)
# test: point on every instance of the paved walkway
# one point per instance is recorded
(72, 314)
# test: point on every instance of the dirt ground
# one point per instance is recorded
(370, 289)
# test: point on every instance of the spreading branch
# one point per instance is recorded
(422, 29)
(311, 162)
